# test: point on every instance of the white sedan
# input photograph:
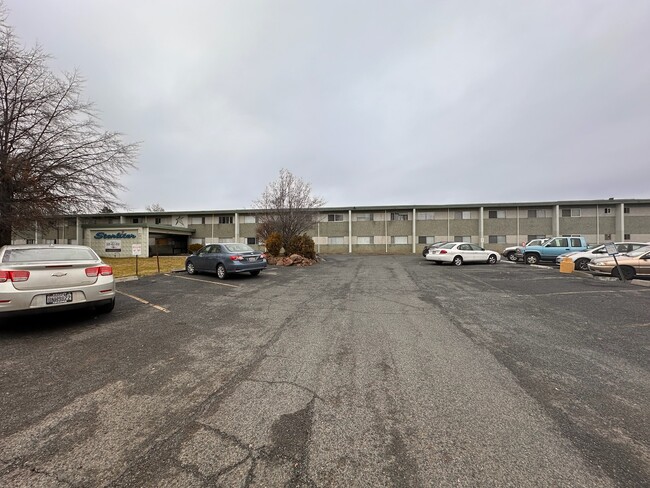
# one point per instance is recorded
(53, 277)
(462, 252)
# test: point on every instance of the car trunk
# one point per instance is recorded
(55, 276)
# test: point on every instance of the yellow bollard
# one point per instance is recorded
(567, 266)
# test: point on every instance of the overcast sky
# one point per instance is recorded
(372, 102)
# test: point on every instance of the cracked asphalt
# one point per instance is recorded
(360, 371)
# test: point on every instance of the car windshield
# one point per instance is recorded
(238, 248)
(47, 254)
(639, 252)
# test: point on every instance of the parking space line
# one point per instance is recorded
(205, 281)
(142, 300)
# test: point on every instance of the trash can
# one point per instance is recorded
(567, 266)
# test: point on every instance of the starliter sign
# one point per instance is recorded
(119, 235)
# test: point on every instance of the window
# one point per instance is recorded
(251, 241)
(196, 220)
(575, 242)
(462, 215)
(607, 210)
(335, 218)
(399, 240)
(364, 217)
(226, 219)
(626, 237)
(497, 239)
(497, 214)
(335, 240)
(462, 238)
(365, 240)
(29, 241)
(158, 220)
(570, 212)
(399, 216)
(537, 213)
(426, 239)
(425, 216)
(608, 237)
(135, 220)
(559, 242)
(626, 210)
(248, 219)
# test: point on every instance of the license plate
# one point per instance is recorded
(56, 298)
(252, 259)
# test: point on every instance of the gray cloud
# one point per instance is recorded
(372, 102)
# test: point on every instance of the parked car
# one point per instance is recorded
(582, 258)
(633, 264)
(514, 253)
(462, 252)
(36, 278)
(553, 247)
(432, 246)
(226, 258)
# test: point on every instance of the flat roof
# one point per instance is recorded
(376, 208)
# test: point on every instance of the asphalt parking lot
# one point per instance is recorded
(360, 371)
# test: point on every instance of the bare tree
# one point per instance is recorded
(55, 159)
(287, 207)
(154, 207)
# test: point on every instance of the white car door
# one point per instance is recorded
(478, 253)
(465, 250)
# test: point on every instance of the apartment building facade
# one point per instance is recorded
(389, 230)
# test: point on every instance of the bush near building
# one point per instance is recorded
(274, 244)
(302, 245)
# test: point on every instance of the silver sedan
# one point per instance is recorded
(53, 277)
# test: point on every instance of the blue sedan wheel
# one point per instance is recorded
(221, 271)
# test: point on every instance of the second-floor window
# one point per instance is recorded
(570, 212)
(335, 217)
(497, 214)
(226, 219)
(399, 216)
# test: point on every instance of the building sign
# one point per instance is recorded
(118, 235)
(136, 249)
(113, 246)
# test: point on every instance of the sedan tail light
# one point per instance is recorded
(99, 270)
(236, 258)
(14, 276)
(443, 251)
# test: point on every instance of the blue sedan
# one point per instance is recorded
(226, 258)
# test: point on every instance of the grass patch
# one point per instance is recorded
(123, 267)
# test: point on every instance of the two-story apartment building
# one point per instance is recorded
(373, 229)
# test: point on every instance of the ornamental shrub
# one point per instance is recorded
(294, 246)
(307, 247)
(274, 244)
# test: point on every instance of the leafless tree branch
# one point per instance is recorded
(55, 158)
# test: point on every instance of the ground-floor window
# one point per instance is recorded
(462, 238)
(336, 240)
(426, 239)
(399, 240)
(251, 241)
(497, 239)
(365, 240)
